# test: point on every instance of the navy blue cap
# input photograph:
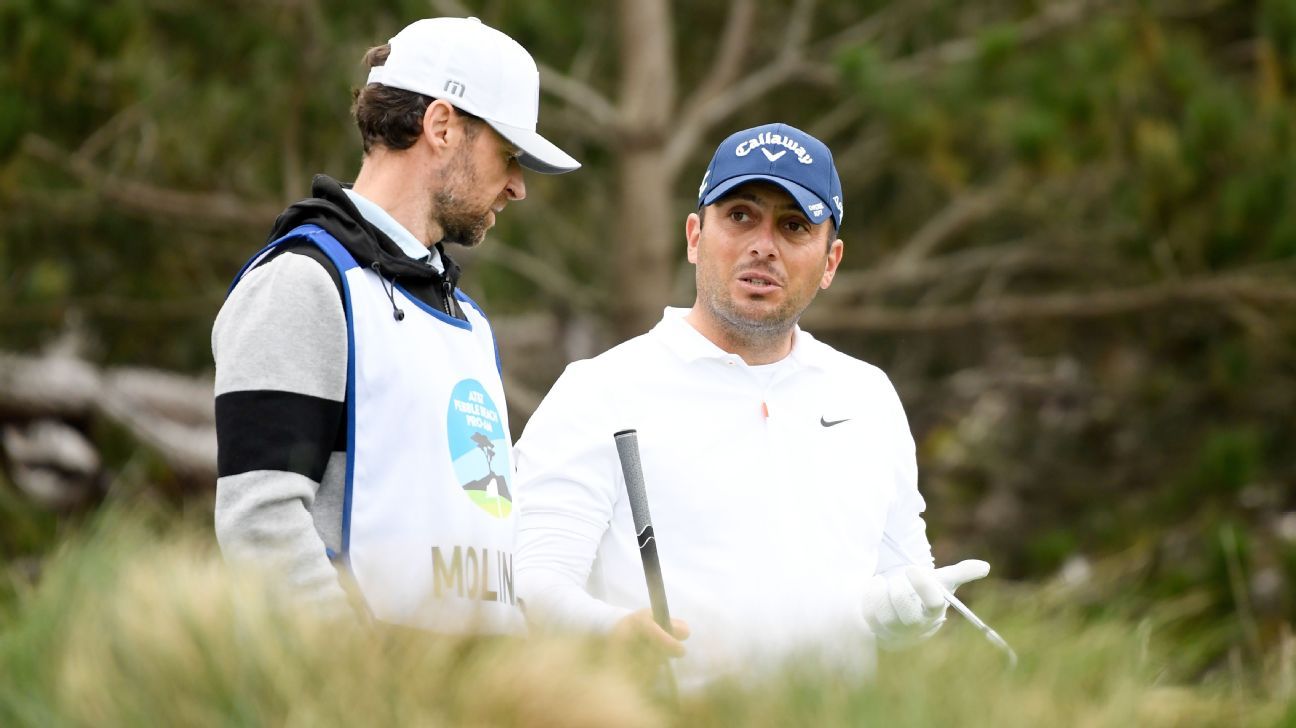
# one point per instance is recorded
(785, 156)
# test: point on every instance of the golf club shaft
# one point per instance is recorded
(958, 605)
(627, 444)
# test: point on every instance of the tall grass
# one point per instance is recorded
(127, 627)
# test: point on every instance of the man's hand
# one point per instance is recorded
(638, 629)
(908, 604)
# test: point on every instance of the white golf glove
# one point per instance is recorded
(907, 604)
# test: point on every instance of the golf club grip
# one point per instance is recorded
(627, 444)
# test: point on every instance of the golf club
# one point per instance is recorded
(959, 606)
(627, 444)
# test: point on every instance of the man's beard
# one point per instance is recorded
(742, 325)
(460, 223)
(747, 326)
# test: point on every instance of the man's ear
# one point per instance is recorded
(439, 128)
(692, 234)
(835, 252)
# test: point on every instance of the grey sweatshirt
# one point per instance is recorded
(280, 345)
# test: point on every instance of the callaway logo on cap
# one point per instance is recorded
(783, 155)
(479, 70)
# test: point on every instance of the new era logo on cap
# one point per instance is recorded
(480, 70)
(789, 158)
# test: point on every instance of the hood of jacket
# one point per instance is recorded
(331, 209)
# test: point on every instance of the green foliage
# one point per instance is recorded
(1227, 462)
(1129, 153)
(1142, 150)
(1047, 551)
(136, 622)
(29, 530)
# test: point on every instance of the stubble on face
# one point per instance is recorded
(460, 220)
(749, 323)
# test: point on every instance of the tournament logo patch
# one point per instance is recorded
(479, 448)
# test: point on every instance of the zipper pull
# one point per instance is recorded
(447, 295)
(764, 410)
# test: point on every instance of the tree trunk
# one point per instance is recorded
(642, 235)
(646, 233)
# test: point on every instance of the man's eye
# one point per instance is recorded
(739, 215)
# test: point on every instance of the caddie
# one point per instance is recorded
(360, 416)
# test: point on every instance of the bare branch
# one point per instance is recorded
(108, 133)
(170, 412)
(578, 94)
(547, 277)
(49, 386)
(732, 49)
(861, 32)
(1056, 16)
(586, 56)
(568, 119)
(569, 88)
(1218, 292)
(51, 462)
(790, 61)
(1013, 257)
(648, 75)
(215, 208)
(798, 31)
(961, 212)
(838, 119)
(1052, 19)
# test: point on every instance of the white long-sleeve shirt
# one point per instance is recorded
(769, 487)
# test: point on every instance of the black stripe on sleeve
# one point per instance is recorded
(274, 430)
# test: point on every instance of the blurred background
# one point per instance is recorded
(1070, 241)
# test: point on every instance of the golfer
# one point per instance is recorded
(362, 430)
(773, 463)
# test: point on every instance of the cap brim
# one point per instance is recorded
(538, 154)
(805, 199)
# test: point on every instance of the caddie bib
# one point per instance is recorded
(427, 525)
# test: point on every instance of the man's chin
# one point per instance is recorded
(762, 317)
(472, 243)
(468, 238)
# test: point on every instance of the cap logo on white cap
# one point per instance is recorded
(480, 70)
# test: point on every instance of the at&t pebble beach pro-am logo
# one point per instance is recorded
(479, 448)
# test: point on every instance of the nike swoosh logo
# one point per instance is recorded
(772, 157)
(827, 423)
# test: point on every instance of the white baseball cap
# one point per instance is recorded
(480, 70)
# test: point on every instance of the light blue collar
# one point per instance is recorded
(379, 218)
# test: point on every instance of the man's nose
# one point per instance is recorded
(762, 242)
(515, 188)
